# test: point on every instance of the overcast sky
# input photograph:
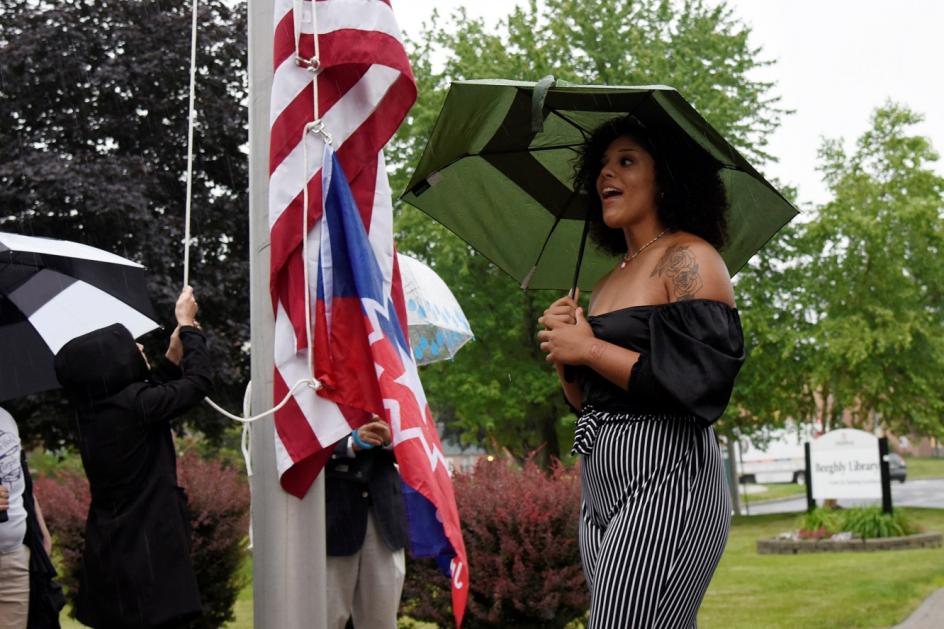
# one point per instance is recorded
(836, 61)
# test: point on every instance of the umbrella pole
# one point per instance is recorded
(583, 245)
(570, 374)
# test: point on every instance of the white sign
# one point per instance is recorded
(845, 464)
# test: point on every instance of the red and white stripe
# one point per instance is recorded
(365, 88)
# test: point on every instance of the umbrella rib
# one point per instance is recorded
(536, 149)
(584, 132)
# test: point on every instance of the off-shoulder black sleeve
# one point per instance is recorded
(696, 350)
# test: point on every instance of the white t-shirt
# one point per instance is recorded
(13, 530)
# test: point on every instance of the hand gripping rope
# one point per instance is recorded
(317, 128)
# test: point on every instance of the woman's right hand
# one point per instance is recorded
(563, 310)
(186, 308)
(4, 498)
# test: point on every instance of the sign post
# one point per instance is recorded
(810, 503)
(886, 477)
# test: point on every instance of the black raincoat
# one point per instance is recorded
(136, 568)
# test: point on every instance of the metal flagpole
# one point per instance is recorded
(289, 584)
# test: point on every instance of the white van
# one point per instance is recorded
(778, 457)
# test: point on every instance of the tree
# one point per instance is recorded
(93, 123)
(873, 281)
(496, 387)
(842, 313)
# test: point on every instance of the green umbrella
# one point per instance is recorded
(498, 166)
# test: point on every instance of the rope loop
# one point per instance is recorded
(313, 65)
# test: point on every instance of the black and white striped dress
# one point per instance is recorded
(655, 510)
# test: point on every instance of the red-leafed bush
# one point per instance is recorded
(520, 531)
(218, 497)
(64, 500)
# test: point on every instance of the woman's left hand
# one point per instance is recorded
(566, 343)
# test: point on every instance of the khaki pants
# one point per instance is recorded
(14, 588)
(366, 586)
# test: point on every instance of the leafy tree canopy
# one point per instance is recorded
(842, 312)
(874, 279)
(93, 124)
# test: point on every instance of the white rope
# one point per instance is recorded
(314, 81)
(190, 124)
(315, 126)
(304, 382)
(245, 446)
(245, 441)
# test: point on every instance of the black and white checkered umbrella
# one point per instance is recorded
(52, 291)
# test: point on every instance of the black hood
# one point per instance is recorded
(101, 363)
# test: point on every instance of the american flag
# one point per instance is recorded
(365, 88)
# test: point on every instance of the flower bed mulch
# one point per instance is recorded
(800, 546)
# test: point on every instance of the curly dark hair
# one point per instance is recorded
(692, 195)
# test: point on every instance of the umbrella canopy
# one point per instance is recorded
(438, 327)
(52, 291)
(498, 169)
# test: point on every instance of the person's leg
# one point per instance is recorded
(638, 486)
(14, 588)
(382, 571)
(589, 533)
(704, 534)
(342, 580)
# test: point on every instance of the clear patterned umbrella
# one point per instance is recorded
(438, 327)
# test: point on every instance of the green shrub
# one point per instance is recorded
(870, 522)
(818, 520)
(864, 522)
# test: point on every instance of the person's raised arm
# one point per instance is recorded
(168, 400)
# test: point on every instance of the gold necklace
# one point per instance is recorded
(627, 258)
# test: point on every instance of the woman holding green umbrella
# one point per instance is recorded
(651, 368)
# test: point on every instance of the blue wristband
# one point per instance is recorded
(363, 445)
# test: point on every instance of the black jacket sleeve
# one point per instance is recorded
(165, 371)
(161, 402)
(696, 350)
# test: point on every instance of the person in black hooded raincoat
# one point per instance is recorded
(136, 567)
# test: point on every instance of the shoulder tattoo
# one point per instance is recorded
(679, 265)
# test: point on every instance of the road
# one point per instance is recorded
(912, 493)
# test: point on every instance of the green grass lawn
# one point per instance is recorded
(774, 491)
(827, 591)
(823, 591)
(925, 468)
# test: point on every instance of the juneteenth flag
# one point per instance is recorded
(364, 361)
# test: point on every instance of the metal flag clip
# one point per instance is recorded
(317, 127)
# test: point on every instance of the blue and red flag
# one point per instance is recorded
(364, 362)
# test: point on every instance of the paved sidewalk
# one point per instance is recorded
(930, 615)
